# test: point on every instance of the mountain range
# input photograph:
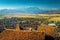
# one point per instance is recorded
(34, 10)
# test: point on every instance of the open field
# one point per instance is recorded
(30, 15)
(55, 17)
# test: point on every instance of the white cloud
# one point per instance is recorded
(7, 8)
(23, 7)
(48, 8)
(20, 7)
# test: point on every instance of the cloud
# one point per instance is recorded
(11, 7)
(6, 8)
(48, 8)
(54, 8)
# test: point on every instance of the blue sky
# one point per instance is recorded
(43, 4)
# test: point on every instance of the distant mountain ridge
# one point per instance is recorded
(34, 10)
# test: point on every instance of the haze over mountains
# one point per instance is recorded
(32, 10)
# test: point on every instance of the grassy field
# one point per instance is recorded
(30, 15)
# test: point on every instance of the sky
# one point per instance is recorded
(42, 4)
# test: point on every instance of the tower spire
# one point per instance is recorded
(17, 27)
